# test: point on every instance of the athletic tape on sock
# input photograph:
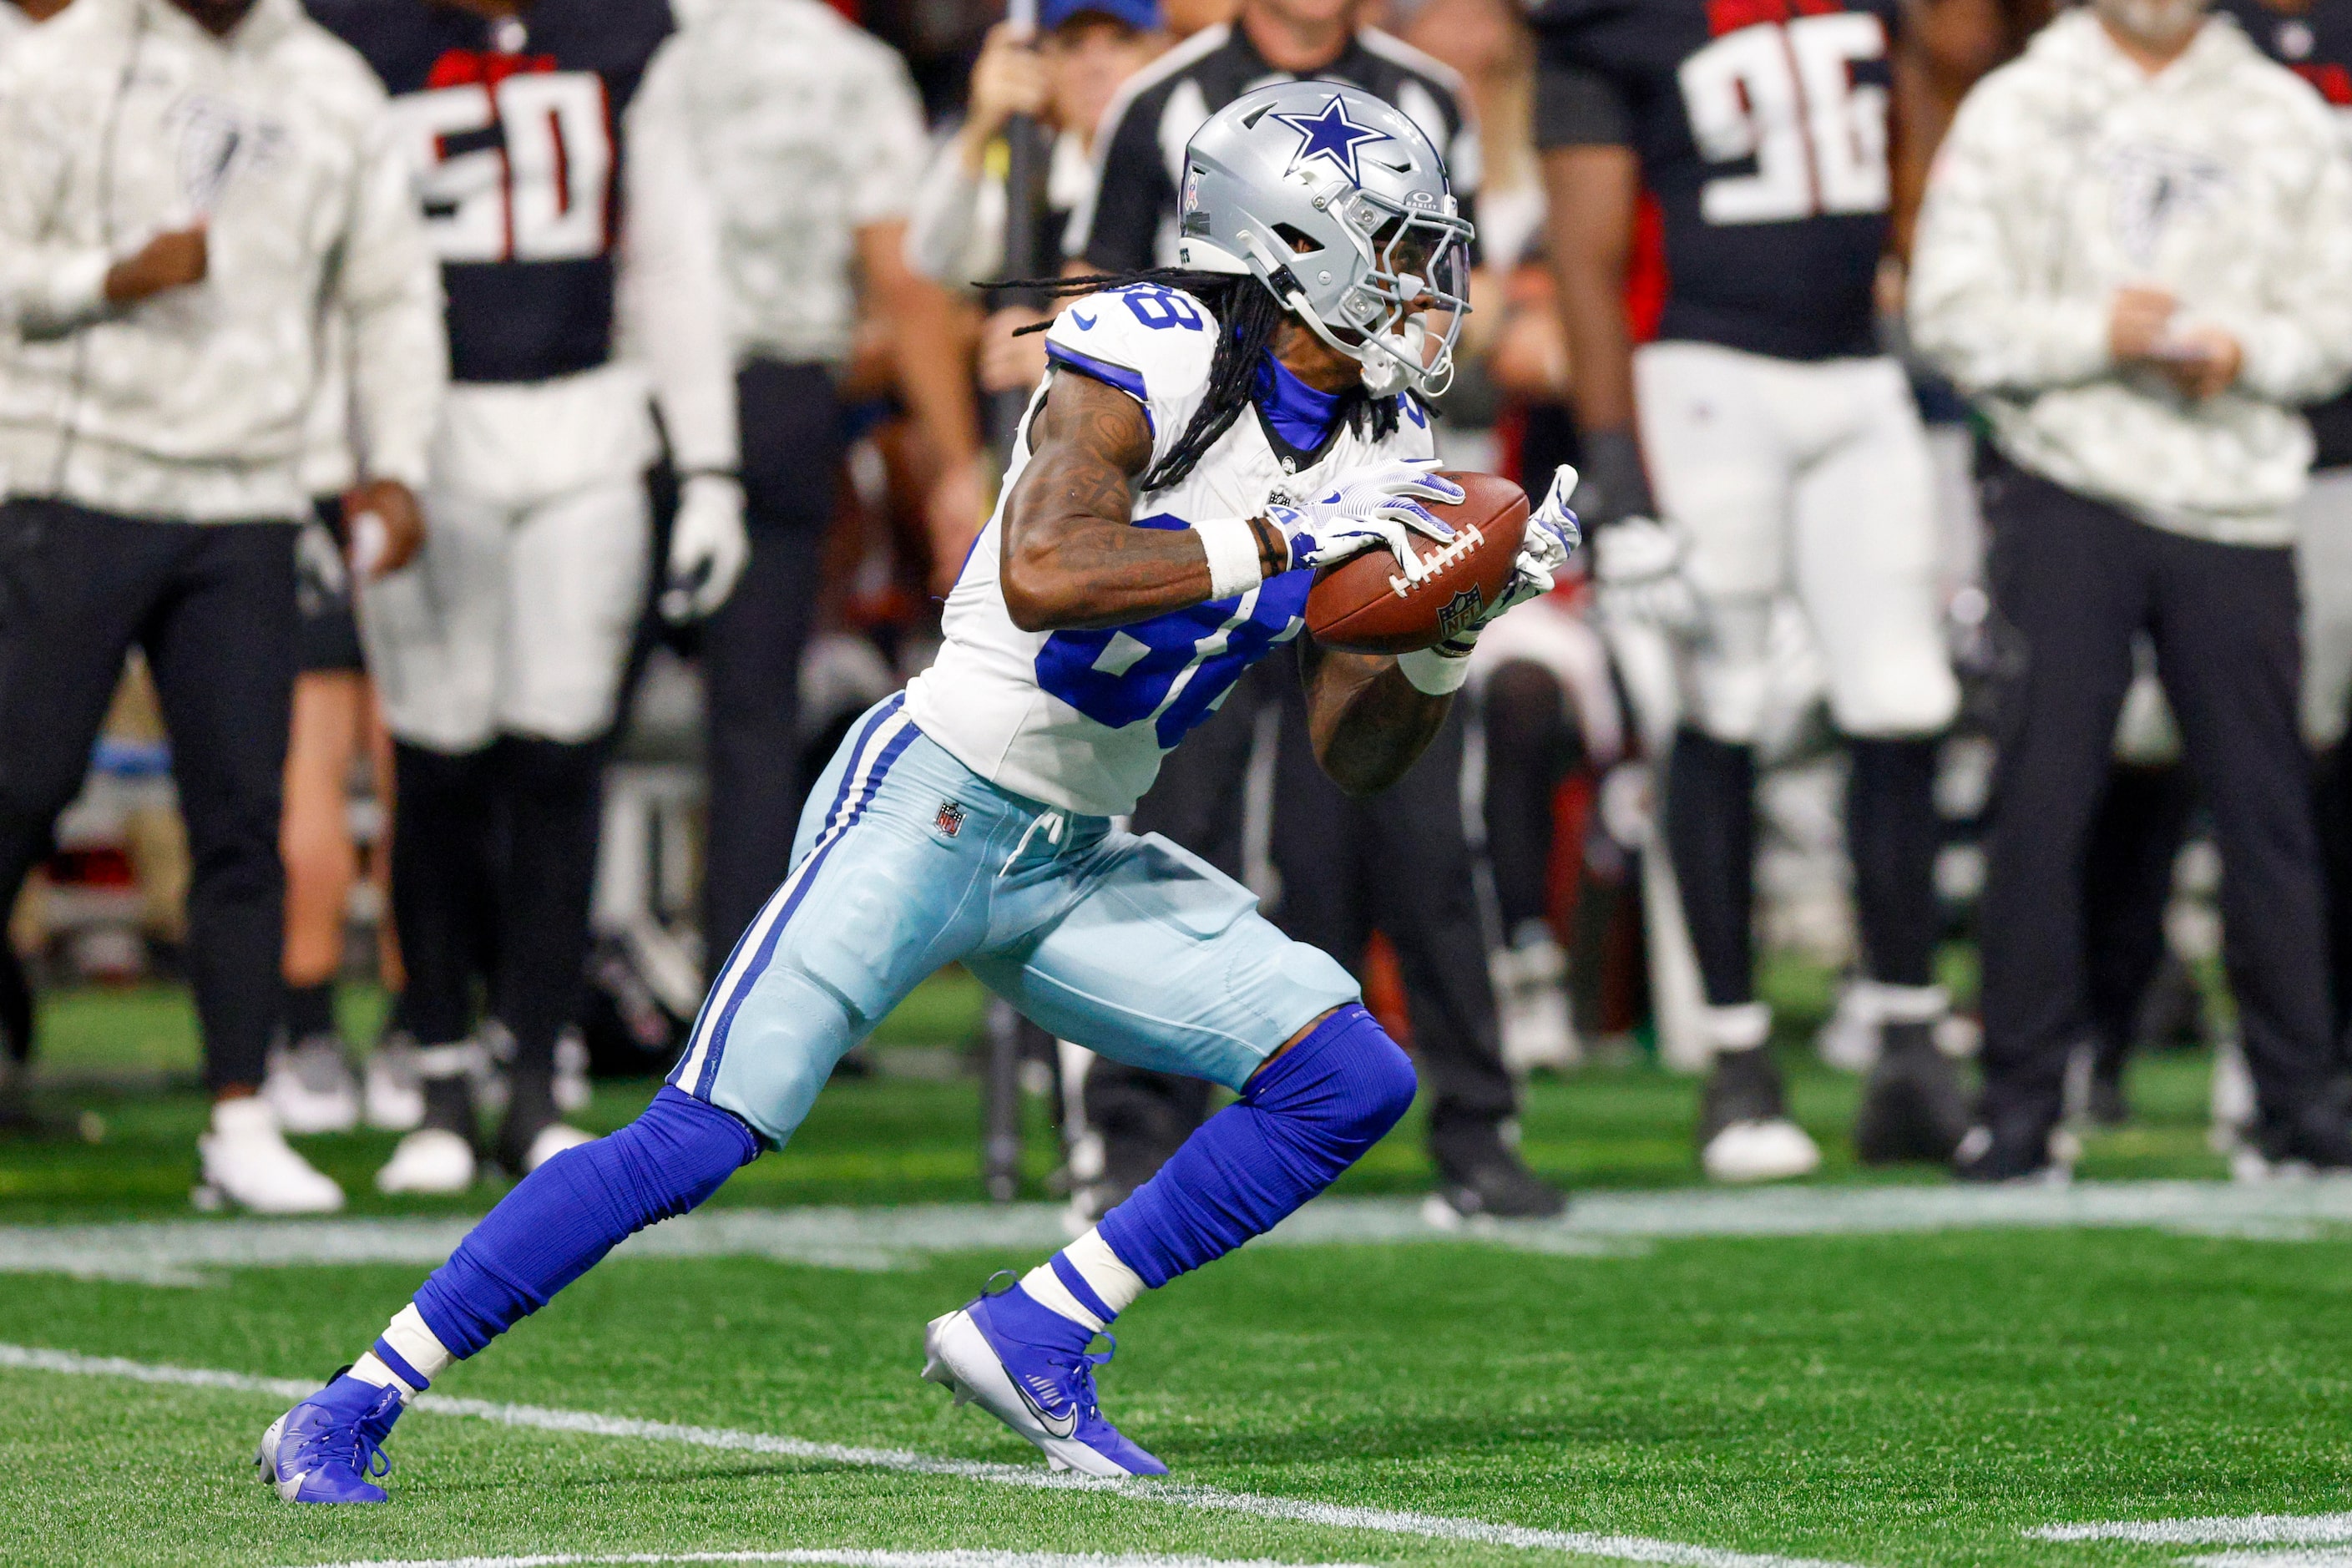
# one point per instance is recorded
(1044, 1286)
(414, 1343)
(1115, 1285)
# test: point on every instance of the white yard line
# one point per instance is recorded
(192, 1252)
(2244, 1529)
(2323, 1558)
(1333, 1516)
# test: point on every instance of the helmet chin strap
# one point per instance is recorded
(1389, 367)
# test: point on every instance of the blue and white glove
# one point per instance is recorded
(708, 547)
(1377, 505)
(1552, 536)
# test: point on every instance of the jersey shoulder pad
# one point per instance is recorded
(1153, 342)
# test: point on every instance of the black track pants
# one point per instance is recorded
(2077, 579)
(212, 607)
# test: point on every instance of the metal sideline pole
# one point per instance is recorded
(1025, 254)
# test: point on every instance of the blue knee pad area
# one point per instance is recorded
(563, 1216)
(1304, 1119)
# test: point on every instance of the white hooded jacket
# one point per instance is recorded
(2072, 173)
(123, 119)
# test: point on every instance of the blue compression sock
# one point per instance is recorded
(563, 1216)
(1304, 1119)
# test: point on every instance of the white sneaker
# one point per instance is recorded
(552, 1140)
(393, 1099)
(1531, 1007)
(572, 1091)
(429, 1159)
(246, 1161)
(309, 1087)
(1773, 1150)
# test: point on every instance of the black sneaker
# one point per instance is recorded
(1480, 1174)
(1744, 1130)
(1913, 1107)
(2010, 1149)
(2319, 1135)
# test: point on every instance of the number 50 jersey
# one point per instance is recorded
(1761, 126)
(515, 126)
(1079, 719)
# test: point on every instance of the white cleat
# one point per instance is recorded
(1531, 1006)
(393, 1099)
(430, 1160)
(309, 1088)
(1773, 1150)
(552, 1140)
(245, 1163)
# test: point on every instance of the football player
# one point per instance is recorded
(1149, 545)
(1788, 459)
(498, 653)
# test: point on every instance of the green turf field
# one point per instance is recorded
(1645, 1383)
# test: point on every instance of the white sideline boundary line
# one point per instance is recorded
(1329, 1516)
(192, 1252)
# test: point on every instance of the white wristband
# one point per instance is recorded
(1433, 674)
(1231, 548)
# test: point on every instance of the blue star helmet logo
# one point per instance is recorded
(1331, 136)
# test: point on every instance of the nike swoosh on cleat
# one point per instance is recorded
(1061, 1426)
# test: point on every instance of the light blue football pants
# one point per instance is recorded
(907, 861)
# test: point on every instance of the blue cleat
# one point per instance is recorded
(325, 1448)
(1045, 1394)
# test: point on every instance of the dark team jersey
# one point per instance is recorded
(1134, 216)
(2314, 41)
(516, 125)
(1761, 126)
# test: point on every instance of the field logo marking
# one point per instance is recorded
(1174, 1494)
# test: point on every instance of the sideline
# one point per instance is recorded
(190, 1252)
(1329, 1516)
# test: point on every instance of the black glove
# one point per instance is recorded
(1613, 485)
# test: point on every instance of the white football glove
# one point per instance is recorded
(1367, 508)
(1640, 577)
(708, 547)
(1552, 536)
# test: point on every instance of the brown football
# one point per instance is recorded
(1365, 606)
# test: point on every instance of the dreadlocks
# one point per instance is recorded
(1249, 316)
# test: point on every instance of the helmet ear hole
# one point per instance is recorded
(1301, 243)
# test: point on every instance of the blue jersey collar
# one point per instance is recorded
(1302, 416)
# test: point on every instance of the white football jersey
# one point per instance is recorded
(1079, 719)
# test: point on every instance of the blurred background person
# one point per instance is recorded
(1787, 459)
(335, 723)
(2136, 255)
(581, 269)
(17, 17)
(2314, 40)
(1064, 78)
(809, 137)
(152, 433)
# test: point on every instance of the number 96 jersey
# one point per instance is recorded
(1761, 126)
(1079, 719)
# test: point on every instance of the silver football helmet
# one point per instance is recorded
(1339, 203)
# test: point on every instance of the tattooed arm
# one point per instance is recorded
(1072, 557)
